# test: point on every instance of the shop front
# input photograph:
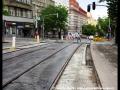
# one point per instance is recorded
(28, 30)
(20, 29)
(10, 28)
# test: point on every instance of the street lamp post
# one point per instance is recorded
(36, 26)
(38, 39)
(43, 28)
(109, 30)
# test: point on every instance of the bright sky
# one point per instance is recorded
(100, 11)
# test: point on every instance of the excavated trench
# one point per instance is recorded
(90, 64)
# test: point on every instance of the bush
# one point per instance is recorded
(88, 29)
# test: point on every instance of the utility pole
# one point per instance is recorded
(36, 26)
(43, 28)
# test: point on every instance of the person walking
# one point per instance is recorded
(77, 37)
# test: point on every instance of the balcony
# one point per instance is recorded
(14, 3)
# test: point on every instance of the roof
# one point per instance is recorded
(75, 6)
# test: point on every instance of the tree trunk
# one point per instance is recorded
(59, 34)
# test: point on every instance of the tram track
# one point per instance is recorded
(23, 72)
(22, 51)
(20, 78)
(71, 79)
(18, 48)
(62, 70)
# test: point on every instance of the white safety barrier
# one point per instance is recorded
(13, 42)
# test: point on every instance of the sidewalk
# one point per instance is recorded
(105, 60)
(23, 42)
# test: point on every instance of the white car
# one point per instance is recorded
(91, 37)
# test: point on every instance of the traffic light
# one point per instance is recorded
(88, 8)
(93, 5)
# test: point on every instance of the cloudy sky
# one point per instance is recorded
(100, 11)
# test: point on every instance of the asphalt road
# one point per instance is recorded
(41, 76)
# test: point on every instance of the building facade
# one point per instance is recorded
(77, 17)
(91, 20)
(37, 7)
(19, 20)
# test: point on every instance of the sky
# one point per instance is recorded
(100, 11)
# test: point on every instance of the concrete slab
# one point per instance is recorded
(106, 72)
(77, 76)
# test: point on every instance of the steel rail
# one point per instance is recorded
(22, 48)
(28, 51)
(62, 70)
(13, 79)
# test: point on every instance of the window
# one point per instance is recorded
(29, 1)
(29, 14)
(12, 11)
(24, 13)
(18, 0)
(25, 1)
(18, 12)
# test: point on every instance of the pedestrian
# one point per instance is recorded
(77, 37)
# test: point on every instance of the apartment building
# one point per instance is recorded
(91, 20)
(77, 17)
(19, 20)
(39, 5)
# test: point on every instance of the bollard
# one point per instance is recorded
(38, 39)
(13, 43)
(61, 37)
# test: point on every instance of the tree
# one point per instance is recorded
(113, 12)
(51, 20)
(102, 26)
(88, 29)
(5, 11)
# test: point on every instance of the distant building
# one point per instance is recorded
(91, 20)
(39, 5)
(62, 2)
(77, 17)
(19, 18)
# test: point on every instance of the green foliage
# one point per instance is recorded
(88, 29)
(102, 26)
(51, 21)
(112, 9)
(5, 12)
(113, 12)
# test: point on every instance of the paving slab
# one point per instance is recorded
(77, 76)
